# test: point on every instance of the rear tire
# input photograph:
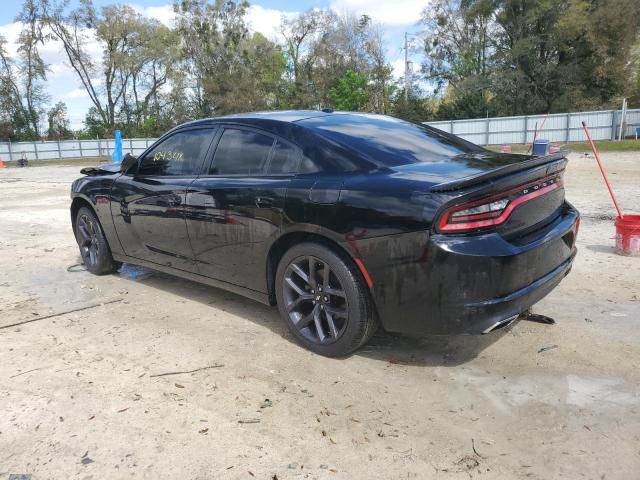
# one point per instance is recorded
(94, 249)
(323, 300)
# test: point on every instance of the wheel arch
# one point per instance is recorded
(76, 204)
(286, 241)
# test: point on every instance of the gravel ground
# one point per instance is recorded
(82, 396)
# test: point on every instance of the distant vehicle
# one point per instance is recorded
(345, 221)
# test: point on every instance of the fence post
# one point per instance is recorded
(451, 127)
(486, 132)
(526, 128)
(131, 146)
(614, 114)
(566, 136)
(80, 147)
(10, 152)
(59, 151)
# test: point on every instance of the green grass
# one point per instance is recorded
(65, 162)
(601, 145)
(606, 146)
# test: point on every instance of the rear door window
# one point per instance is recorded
(284, 159)
(241, 152)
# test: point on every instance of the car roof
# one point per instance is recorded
(287, 116)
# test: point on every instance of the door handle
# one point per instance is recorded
(264, 202)
(174, 201)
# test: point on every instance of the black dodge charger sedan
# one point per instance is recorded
(345, 221)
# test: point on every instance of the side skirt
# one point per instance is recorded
(194, 277)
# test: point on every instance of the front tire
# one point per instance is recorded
(93, 245)
(323, 300)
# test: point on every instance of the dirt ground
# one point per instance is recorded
(81, 396)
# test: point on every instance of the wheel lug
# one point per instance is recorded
(326, 299)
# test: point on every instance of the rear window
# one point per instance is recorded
(390, 140)
(241, 152)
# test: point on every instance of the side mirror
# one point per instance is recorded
(128, 162)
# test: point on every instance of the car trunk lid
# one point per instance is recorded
(462, 171)
(513, 195)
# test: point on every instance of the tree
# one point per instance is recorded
(22, 96)
(519, 57)
(135, 55)
(633, 88)
(298, 32)
(32, 68)
(351, 91)
(380, 84)
(457, 49)
(58, 122)
(228, 70)
(321, 47)
(417, 106)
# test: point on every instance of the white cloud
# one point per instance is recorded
(163, 13)
(392, 13)
(398, 68)
(77, 93)
(266, 21)
(10, 33)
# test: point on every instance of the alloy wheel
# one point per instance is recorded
(88, 240)
(315, 300)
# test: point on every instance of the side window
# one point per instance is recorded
(308, 166)
(180, 154)
(241, 152)
(284, 159)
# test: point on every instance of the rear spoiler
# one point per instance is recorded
(504, 171)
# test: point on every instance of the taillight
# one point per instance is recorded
(494, 210)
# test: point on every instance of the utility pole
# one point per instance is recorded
(406, 70)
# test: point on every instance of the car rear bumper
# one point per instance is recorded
(498, 312)
(444, 284)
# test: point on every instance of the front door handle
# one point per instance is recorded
(264, 202)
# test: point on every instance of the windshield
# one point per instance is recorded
(390, 140)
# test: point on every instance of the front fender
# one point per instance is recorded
(95, 192)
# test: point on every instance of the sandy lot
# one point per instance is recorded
(80, 395)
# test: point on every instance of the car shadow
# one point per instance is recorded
(384, 346)
(602, 248)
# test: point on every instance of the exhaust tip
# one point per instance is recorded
(501, 324)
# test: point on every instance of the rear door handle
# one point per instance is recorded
(264, 202)
(174, 201)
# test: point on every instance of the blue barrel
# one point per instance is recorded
(116, 155)
(540, 147)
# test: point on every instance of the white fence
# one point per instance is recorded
(56, 150)
(559, 127)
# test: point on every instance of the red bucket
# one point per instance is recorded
(628, 235)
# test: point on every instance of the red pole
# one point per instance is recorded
(604, 173)
(535, 135)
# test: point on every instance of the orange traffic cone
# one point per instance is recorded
(1, 163)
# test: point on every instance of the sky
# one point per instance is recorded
(264, 16)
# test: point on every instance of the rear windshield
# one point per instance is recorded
(391, 141)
